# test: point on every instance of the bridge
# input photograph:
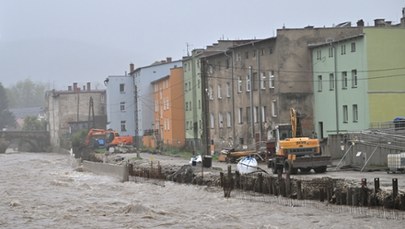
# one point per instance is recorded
(33, 141)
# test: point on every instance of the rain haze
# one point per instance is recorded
(65, 41)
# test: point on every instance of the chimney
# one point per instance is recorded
(168, 59)
(379, 22)
(403, 17)
(88, 86)
(360, 23)
(69, 88)
(131, 68)
(74, 86)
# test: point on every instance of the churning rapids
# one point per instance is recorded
(43, 190)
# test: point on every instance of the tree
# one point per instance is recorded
(7, 118)
(32, 123)
(26, 94)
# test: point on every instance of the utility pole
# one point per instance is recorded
(252, 125)
(260, 99)
(91, 121)
(233, 99)
(205, 107)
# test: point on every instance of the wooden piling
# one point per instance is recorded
(281, 187)
(376, 185)
(260, 182)
(394, 188)
(322, 194)
(355, 197)
(299, 191)
(288, 185)
(237, 179)
(130, 169)
(349, 198)
(271, 188)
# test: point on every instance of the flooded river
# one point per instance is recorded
(42, 190)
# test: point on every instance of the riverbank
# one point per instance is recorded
(331, 187)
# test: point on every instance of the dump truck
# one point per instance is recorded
(293, 152)
(100, 138)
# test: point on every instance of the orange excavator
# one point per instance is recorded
(100, 138)
(295, 152)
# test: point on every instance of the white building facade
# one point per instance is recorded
(144, 102)
(121, 104)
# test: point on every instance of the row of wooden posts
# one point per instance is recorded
(294, 188)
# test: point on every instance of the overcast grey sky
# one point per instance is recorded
(64, 41)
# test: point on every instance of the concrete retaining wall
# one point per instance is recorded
(118, 171)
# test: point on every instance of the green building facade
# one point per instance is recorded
(359, 81)
(192, 99)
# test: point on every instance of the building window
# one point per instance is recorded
(122, 88)
(219, 92)
(264, 119)
(246, 55)
(123, 126)
(343, 49)
(122, 106)
(220, 120)
(198, 83)
(212, 121)
(354, 78)
(240, 115)
(199, 104)
(345, 114)
(319, 83)
(262, 80)
(318, 54)
(228, 119)
(271, 79)
(239, 85)
(227, 63)
(344, 80)
(248, 83)
(255, 82)
(228, 89)
(210, 93)
(186, 106)
(331, 82)
(353, 47)
(330, 51)
(256, 115)
(248, 115)
(355, 113)
(274, 108)
(238, 57)
(270, 50)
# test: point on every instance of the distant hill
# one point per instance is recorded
(58, 62)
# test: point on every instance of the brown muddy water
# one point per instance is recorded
(43, 190)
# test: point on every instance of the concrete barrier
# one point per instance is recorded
(118, 171)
